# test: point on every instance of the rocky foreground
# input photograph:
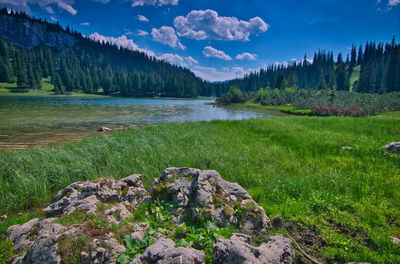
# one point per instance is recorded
(109, 221)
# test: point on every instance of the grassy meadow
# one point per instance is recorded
(340, 204)
(45, 91)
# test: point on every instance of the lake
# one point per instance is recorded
(27, 121)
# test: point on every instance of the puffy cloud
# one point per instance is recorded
(394, 2)
(246, 56)
(167, 36)
(215, 75)
(140, 32)
(121, 41)
(214, 53)
(153, 2)
(45, 4)
(142, 18)
(177, 59)
(206, 24)
(85, 24)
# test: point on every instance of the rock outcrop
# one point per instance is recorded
(392, 147)
(205, 195)
(88, 221)
(165, 251)
(128, 192)
(238, 249)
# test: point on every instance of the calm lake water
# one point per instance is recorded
(27, 121)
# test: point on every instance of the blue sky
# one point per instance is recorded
(220, 40)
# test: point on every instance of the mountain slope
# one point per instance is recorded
(32, 49)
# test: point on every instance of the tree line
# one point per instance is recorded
(373, 69)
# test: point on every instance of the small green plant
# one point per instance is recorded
(135, 247)
(6, 250)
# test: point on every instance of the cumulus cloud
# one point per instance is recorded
(177, 59)
(206, 24)
(215, 75)
(121, 41)
(142, 18)
(45, 4)
(153, 2)
(214, 53)
(167, 36)
(85, 24)
(246, 56)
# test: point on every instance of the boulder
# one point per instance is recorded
(165, 251)
(25, 234)
(392, 147)
(238, 249)
(104, 129)
(204, 195)
(87, 195)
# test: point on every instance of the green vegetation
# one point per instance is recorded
(47, 90)
(87, 66)
(319, 103)
(200, 235)
(294, 167)
(373, 69)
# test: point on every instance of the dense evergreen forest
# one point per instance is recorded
(91, 67)
(373, 69)
(94, 67)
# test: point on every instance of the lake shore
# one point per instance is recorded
(295, 167)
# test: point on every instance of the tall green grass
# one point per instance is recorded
(294, 167)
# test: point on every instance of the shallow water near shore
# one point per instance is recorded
(30, 121)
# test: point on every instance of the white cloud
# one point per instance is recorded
(167, 36)
(153, 2)
(246, 56)
(85, 24)
(140, 32)
(214, 53)
(191, 60)
(206, 24)
(177, 59)
(142, 18)
(45, 4)
(394, 2)
(215, 75)
(121, 41)
(53, 18)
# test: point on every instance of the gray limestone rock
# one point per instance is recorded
(238, 250)
(392, 147)
(164, 251)
(206, 196)
(87, 195)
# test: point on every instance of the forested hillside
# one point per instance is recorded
(87, 65)
(373, 69)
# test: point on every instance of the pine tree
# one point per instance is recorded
(322, 83)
